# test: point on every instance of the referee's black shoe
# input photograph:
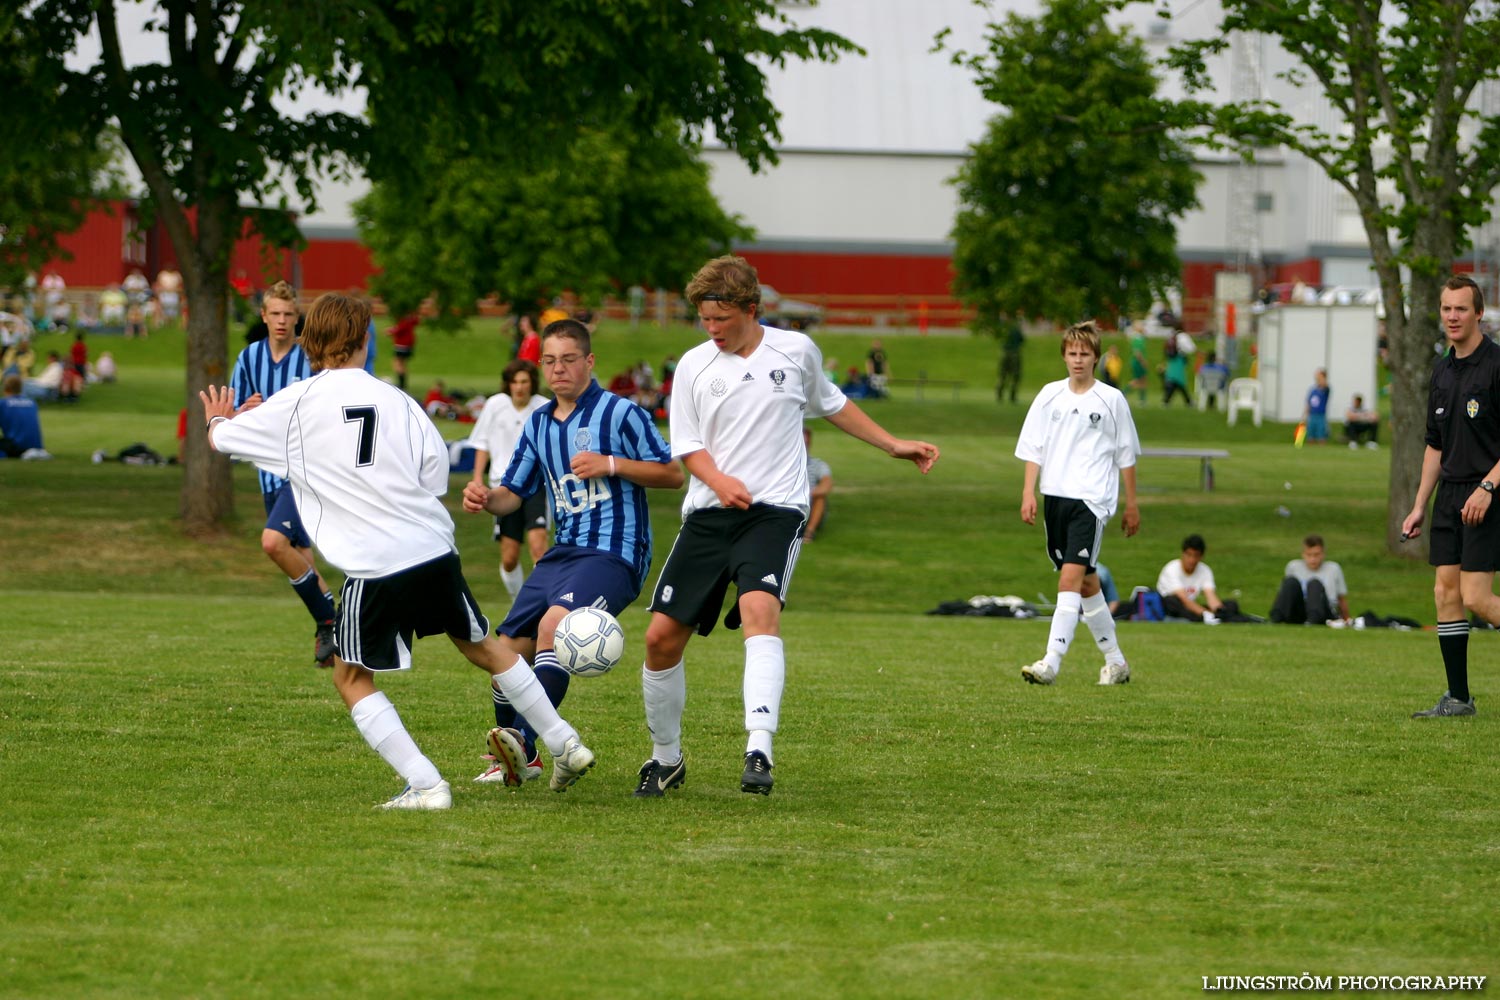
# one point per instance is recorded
(657, 777)
(324, 645)
(757, 777)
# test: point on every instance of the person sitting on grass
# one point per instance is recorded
(1310, 589)
(20, 423)
(1187, 589)
(1361, 424)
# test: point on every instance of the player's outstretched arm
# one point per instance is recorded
(479, 498)
(857, 423)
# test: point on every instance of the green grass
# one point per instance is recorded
(187, 806)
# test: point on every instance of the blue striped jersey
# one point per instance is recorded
(608, 513)
(255, 371)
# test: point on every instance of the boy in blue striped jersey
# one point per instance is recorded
(264, 368)
(594, 453)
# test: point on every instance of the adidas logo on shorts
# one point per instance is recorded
(769, 578)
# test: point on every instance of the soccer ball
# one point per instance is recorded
(588, 642)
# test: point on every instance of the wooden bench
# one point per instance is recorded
(921, 383)
(1205, 455)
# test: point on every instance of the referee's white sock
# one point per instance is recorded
(1097, 616)
(1064, 624)
(665, 695)
(512, 578)
(765, 678)
(527, 696)
(379, 723)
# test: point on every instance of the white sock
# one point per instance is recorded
(512, 578)
(765, 678)
(527, 696)
(1064, 623)
(1101, 623)
(379, 723)
(665, 695)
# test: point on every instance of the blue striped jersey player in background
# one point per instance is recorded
(593, 452)
(263, 369)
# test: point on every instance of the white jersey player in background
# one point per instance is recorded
(494, 438)
(367, 467)
(1080, 438)
(738, 402)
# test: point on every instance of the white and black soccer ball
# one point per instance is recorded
(588, 642)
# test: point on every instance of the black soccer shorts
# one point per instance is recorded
(756, 549)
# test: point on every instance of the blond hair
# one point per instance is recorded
(282, 290)
(728, 279)
(1085, 333)
(336, 328)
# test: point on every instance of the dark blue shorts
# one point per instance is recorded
(570, 576)
(282, 516)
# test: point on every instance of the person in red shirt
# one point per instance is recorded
(530, 347)
(79, 356)
(403, 345)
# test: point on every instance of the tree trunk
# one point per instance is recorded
(207, 488)
(1411, 341)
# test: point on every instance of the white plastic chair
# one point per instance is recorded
(1210, 384)
(1244, 394)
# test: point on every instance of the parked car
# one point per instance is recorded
(788, 314)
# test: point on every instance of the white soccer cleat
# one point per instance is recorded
(509, 758)
(570, 765)
(439, 796)
(1039, 673)
(1115, 673)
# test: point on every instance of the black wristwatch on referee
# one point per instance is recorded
(1487, 486)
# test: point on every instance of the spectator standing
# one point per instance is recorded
(878, 370)
(403, 336)
(1315, 413)
(1012, 347)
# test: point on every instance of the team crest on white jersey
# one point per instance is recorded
(718, 387)
(778, 378)
(1094, 419)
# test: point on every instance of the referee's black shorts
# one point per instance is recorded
(1473, 548)
(755, 548)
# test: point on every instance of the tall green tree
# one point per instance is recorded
(217, 156)
(1410, 147)
(586, 209)
(52, 169)
(1068, 205)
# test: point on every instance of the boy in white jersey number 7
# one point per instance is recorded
(367, 467)
(1080, 441)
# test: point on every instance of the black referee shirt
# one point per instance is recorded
(1463, 413)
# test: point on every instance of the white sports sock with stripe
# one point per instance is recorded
(380, 724)
(665, 695)
(1064, 624)
(1101, 623)
(765, 679)
(527, 696)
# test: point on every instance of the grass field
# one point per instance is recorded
(188, 808)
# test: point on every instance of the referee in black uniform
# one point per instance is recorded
(1462, 461)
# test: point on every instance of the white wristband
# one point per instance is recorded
(611, 465)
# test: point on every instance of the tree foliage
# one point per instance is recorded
(217, 155)
(1067, 206)
(589, 211)
(52, 168)
(1409, 146)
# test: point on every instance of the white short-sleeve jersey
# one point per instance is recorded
(499, 428)
(747, 413)
(1330, 574)
(1081, 441)
(1172, 579)
(366, 464)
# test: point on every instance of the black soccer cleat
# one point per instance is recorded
(657, 777)
(757, 777)
(325, 646)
